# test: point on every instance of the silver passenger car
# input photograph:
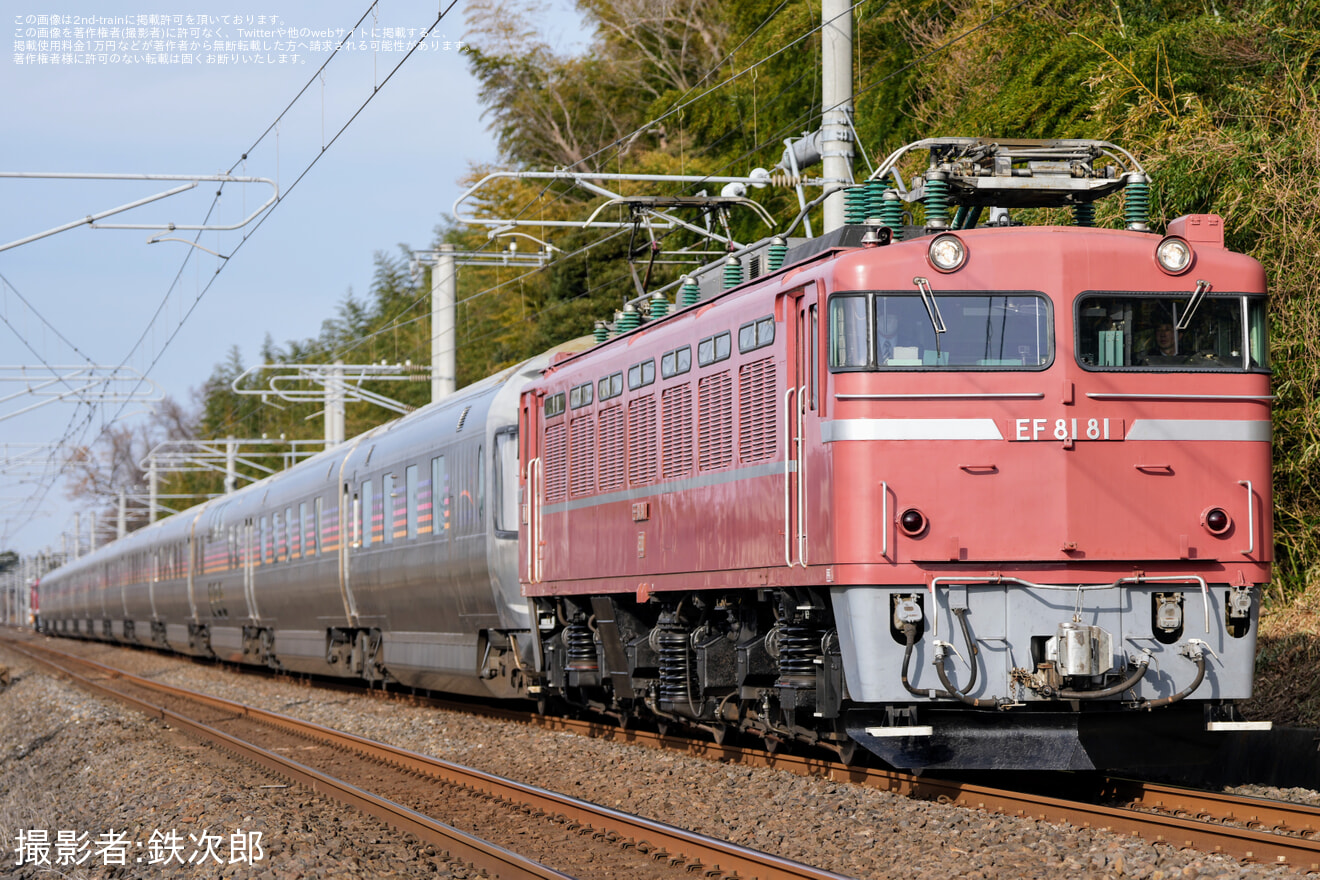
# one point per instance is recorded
(393, 555)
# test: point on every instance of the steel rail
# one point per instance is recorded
(700, 852)
(496, 860)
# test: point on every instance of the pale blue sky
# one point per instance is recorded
(387, 180)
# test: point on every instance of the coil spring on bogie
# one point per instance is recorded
(799, 646)
(579, 647)
(675, 665)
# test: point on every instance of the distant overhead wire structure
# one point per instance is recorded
(79, 424)
(87, 383)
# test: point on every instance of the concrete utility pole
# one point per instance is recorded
(153, 489)
(122, 525)
(444, 289)
(837, 101)
(91, 534)
(231, 464)
(334, 406)
(77, 534)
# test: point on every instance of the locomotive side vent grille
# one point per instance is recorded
(715, 421)
(676, 423)
(757, 404)
(462, 417)
(611, 446)
(556, 462)
(641, 440)
(582, 456)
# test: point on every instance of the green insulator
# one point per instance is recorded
(690, 293)
(937, 201)
(733, 273)
(1084, 214)
(629, 319)
(601, 331)
(891, 213)
(659, 306)
(617, 327)
(855, 205)
(776, 252)
(875, 197)
(1136, 202)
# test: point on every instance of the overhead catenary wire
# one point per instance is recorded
(146, 333)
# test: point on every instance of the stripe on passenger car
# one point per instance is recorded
(909, 429)
(1199, 429)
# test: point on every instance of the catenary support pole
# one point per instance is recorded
(837, 101)
(444, 289)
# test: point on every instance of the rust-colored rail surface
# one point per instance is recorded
(667, 849)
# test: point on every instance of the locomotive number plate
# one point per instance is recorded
(1067, 430)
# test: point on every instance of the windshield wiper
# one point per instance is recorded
(932, 307)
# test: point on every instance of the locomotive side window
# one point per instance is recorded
(554, 405)
(885, 331)
(1178, 333)
(641, 375)
(320, 520)
(308, 541)
(676, 362)
(580, 396)
(610, 386)
(714, 349)
(387, 493)
(756, 334)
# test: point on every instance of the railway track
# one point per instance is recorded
(441, 803)
(1251, 829)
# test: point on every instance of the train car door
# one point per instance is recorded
(799, 404)
(533, 475)
(249, 549)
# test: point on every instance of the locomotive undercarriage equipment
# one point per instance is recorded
(718, 663)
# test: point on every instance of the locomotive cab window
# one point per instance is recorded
(955, 331)
(554, 405)
(1173, 333)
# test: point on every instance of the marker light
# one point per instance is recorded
(1216, 521)
(947, 253)
(1174, 255)
(912, 521)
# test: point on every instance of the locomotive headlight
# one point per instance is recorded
(947, 253)
(1174, 255)
(1216, 521)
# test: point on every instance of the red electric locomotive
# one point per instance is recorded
(966, 494)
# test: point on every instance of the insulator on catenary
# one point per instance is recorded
(785, 180)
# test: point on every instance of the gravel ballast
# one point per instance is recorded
(105, 767)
